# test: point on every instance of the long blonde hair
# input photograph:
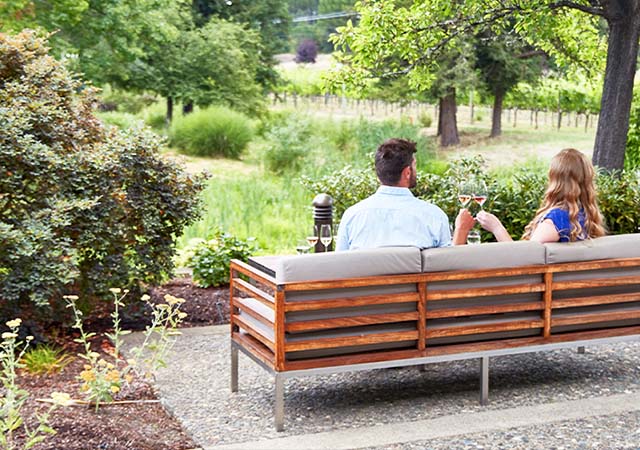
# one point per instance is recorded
(571, 187)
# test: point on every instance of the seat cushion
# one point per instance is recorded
(491, 255)
(349, 264)
(606, 247)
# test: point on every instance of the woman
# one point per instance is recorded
(569, 210)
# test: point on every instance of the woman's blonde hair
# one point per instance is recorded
(571, 187)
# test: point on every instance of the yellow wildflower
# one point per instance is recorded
(73, 298)
(7, 335)
(115, 290)
(15, 323)
(112, 376)
(88, 376)
(109, 366)
(115, 389)
(132, 362)
(145, 298)
(87, 367)
(128, 378)
(29, 338)
(182, 315)
(102, 363)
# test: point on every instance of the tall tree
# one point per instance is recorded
(270, 18)
(503, 61)
(568, 30)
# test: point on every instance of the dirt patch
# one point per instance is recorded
(141, 426)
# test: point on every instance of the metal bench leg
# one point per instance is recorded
(484, 380)
(581, 350)
(234, 368)
(279, 402)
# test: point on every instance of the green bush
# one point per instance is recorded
(123, 101)
(210, 259)
(632, 152)
(425, 119)
(287, 145)
(215, 131)
(81, 207)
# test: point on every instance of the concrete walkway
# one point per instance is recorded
(557, 399)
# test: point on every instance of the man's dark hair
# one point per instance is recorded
(392, 157)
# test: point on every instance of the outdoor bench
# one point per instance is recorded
(401, 306)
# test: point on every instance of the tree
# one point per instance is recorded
(567, 30)
(503, 61)
(269, 18)
(81, 207)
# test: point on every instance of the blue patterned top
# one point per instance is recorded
(560, 219)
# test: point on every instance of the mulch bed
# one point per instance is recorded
(143, 426)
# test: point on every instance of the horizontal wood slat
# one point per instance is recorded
(254, 332)
(346, 302)
(593, 265)
(252, 272)
(254, 292)
(594, 318)
(475, 274)
(491, 309)
(385, 280)
(348, 341)
(243, 304)
(595, 300)
(598, 282)
(357, 358)
(478, 329)
(435, 295)
(353, 321)
(256, 348)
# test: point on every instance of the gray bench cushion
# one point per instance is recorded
(485, 256)
(349, 264)
(606, 247)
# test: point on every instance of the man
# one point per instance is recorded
(393, 216)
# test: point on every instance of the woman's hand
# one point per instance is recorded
(492, 224)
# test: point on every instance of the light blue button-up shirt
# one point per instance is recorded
(393, 217)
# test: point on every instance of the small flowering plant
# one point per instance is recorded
(102, 379)
(11, 402)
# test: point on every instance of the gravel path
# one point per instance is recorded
(195, 388)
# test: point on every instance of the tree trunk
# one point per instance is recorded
(439, 130)
(559, 119)
(449, 130)
(169, 116)
(496, 114)
(617, 91)
(187, 108)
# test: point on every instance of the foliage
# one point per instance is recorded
(45, 359)
(124, 101)
(13, 398)
(307, 51)
(215, 131)
(286, 146)
(210, 258)
(102, 380)
(425, 119)
(632, 154)
(78, 204)
(120, 120)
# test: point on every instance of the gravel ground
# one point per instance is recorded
(195, 388)
(611, 432)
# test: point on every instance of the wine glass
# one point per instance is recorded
(312, 237)
(480, 193)
(302, 247)
(473, 237)
(464, 193)
(326, 236)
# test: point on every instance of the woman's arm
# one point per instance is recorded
(492, 224)
(545, 232)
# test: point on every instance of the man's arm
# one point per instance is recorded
(464, 223)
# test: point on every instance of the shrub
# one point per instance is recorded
(287, 145)
(307, 51)
(425, 119)
(123, 101)
(119, 119)
(210, 258)
(79, 204)
(215, 131)
(632, 152)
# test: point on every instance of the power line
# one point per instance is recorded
(333, 15)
